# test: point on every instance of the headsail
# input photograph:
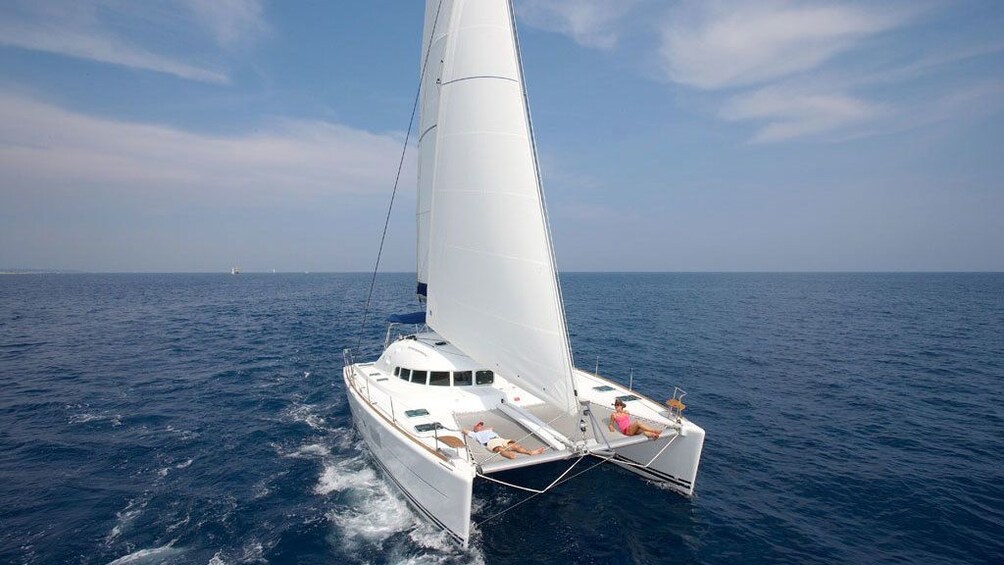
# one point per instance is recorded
(492, 285)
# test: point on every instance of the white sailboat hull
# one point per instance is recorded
(435, 488)
(674, 466)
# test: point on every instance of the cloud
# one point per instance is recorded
(44, 148)
(789, 113)
(800, 69)
(94, 45)
(714, 44)
(114, 33)
(846, 105)
(590, 23)
(231, 21)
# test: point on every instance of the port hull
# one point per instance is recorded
(433, 485)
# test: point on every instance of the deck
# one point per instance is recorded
(598, 437)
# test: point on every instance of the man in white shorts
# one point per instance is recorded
(505, 447)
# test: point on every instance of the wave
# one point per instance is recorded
(371, 512)
(115, 419)
(125, 517)
(183, 465)
(305, 413)
(152, 555)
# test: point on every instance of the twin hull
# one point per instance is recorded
(442, 490)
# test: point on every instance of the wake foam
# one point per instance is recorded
(183, 465)
(125, 517)
(85, 417)
(369, 511)
(153, 555)
(305, 413)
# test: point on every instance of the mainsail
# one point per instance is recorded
(492, 285)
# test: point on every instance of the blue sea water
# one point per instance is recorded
(851, 418)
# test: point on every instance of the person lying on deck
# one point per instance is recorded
(622, 420)
(505, 447)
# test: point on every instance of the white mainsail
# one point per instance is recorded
(492, 283)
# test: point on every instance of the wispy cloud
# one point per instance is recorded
(590, 23)
(803, 69)
(44, 147)
(94, 45)
(788, 113)
(85, 30)
(715, 44)
(231, 21)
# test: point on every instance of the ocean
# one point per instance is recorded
(201, 418)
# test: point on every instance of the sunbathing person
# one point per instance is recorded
(505, 447)
(622, 420)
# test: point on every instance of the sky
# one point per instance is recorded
(706, 135)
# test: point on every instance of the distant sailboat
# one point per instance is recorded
(492, 345)
(235, 270)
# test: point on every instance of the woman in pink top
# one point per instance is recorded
(622, 420)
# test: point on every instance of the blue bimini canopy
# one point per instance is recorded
(412, 318)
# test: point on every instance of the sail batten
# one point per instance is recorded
(492, 287)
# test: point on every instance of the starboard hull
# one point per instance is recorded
(674, 466)
(439, 491)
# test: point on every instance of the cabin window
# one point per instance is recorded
(418, 377)
(627, 398)
(439, 378)
(463, 378)
(405, 374)
(416, 412)
(397, 371)
(428, 427)
(484, 377)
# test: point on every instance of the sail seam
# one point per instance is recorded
(498, 77)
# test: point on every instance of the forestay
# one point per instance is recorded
(492, 286)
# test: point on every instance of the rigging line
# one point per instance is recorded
(397, 178)
(528, 489)
(536, 493)
(602, 461)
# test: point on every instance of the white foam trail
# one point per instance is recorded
(313, 449)
(183, 465)
(125, 517)
(154, 555)
(376, 511)
(254, 552)
(345, 475)
(115, 419)
(180, 523)
(305, 413)
(185, 434)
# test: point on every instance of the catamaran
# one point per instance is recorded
(491, 345)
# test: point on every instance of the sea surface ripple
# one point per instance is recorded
(851, 418)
